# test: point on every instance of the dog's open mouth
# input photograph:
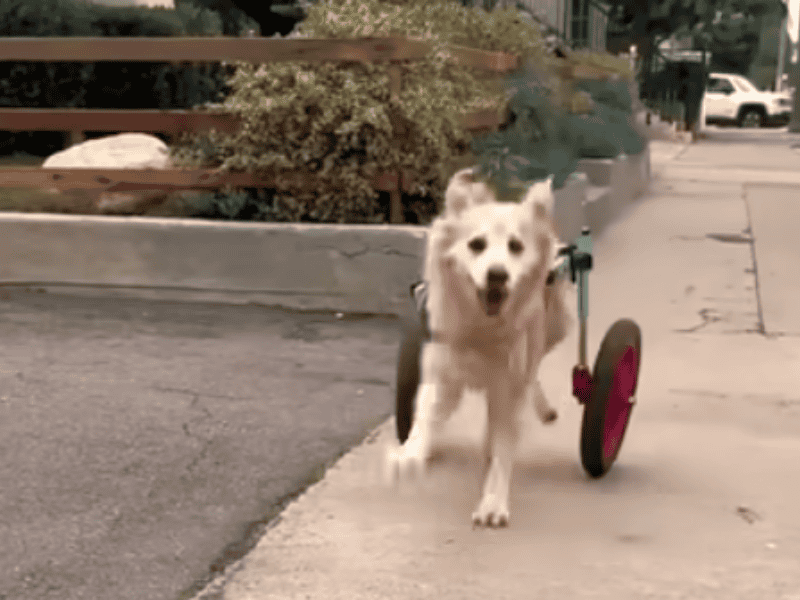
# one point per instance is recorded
(492, 299)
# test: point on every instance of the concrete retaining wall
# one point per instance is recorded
(362, 269)
(569, 211)
(359, 269)
(613, 185)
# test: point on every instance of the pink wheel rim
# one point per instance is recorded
(618, 408)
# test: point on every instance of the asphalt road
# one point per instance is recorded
(144, 445)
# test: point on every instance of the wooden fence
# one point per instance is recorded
(392, 50)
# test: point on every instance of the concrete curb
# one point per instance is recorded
(354, 269)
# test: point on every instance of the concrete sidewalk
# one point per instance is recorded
(702, 502)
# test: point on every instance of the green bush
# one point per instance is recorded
(541, 138)
(338, 122)
(620, 66)
(232, 19)
(103, 84)
(607, 131)
(534, 143)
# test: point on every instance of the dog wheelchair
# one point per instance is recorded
(607, 392)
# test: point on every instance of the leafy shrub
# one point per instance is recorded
(101, 85)
(615, 64)
(534, 143)
(607, 131)
(338, 121)
(232, 19)
(542, 138)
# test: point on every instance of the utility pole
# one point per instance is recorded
(794, 123)
(781, 54)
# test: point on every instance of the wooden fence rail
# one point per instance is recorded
(253, 50)
(170, 122)
(392, 50)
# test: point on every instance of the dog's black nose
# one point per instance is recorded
(497, 276)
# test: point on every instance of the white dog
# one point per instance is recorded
(493, 315)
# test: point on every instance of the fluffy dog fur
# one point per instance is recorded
(493, 318)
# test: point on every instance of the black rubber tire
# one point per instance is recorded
(742, 121)
(622, 334)
(408, 375)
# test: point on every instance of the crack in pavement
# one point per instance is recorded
(386, 250)
(395, 252)
(730, 238)
(762, 329)
(189, 392)
(770, 399)
(707, 316)
(697, 392)
(689, 238)
(206, 441)
(727, 238)
(748, 514)
(349, 255)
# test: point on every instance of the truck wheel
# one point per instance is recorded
(751, 117)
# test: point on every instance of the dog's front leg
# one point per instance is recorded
(545, 412)
(502, 430)
(438, 396)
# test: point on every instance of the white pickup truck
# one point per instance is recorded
(734, 99)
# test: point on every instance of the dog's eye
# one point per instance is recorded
(477, 244)
(515, 246)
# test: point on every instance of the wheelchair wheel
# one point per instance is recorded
(614, 380)
(408, 375)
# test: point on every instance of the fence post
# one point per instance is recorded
(671, 106)
(75, 136)
(396, 199)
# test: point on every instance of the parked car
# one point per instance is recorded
(734, 99)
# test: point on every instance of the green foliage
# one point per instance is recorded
(606, 133)
(338, 121)
(101, 85)
(603, 60)
(535, 143)
(725, 24)
(105, 85)
(232, 20)
(541, 139)
(614, 94)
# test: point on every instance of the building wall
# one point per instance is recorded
(559, 15)
(598, 25)
(764, 67)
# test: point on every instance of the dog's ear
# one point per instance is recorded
(540, 194)
(442, 234)
(464, 192)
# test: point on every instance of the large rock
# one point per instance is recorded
(122, 151)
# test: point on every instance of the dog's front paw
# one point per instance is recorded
(491, 512)
(548, 415)
(405, 462)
